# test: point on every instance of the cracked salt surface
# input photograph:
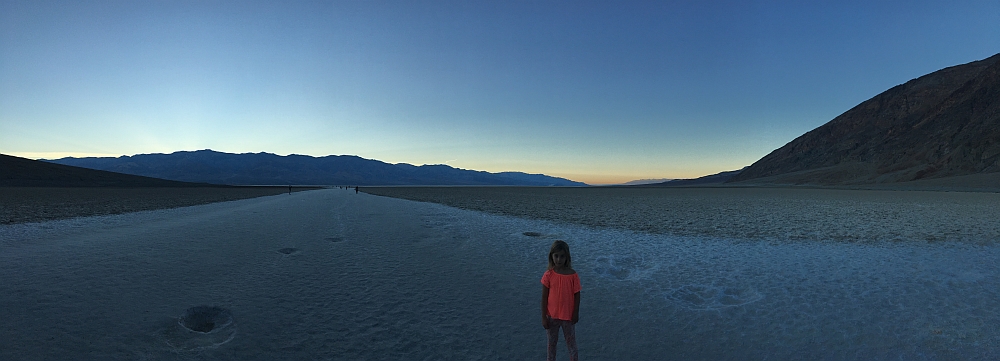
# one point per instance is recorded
(412, 275)
(712, 297)
(649, 295)
(719, 299)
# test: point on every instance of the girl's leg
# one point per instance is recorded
(569, 330)
(553, 334)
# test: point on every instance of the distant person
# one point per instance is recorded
(560, 300)
(289, 189)
(355, 189)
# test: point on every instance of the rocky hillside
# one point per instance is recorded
(944, 124)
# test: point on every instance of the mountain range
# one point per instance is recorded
(208, 166)
(21, 172)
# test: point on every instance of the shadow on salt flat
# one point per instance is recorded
(288, 251)
(537, 235)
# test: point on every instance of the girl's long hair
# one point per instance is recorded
(557, 246)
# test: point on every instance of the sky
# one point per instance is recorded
(594, 91)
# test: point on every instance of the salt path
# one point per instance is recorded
(334, 275)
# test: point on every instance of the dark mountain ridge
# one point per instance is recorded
(21, 172)
(943, 124)
(270, 169)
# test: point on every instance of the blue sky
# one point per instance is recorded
(599, 92)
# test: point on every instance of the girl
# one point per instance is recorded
(560, 299)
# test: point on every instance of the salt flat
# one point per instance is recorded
(312, 275)
(740, 213)
(333, 275)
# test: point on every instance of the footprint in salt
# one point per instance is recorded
(288, 250)
(335, 239)
(711, 297)
(624, 267)
(201, 327)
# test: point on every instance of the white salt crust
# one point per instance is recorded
(333, 275)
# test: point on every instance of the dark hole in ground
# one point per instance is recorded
(204, 319)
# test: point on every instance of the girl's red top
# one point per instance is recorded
(561, 291)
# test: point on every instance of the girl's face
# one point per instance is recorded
(559, 259)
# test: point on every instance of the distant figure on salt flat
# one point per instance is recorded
(355, 189)
(560, 300)
(289, 189)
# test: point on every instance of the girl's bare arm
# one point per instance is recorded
(576, 307)
(545, 307)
